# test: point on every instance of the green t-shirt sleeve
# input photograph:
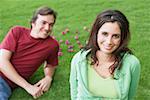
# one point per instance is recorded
(73, 78)
(135, 75)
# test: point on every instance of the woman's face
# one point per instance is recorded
(109, 37)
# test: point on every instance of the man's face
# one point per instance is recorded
(42, 26)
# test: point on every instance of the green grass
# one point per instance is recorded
(75, 14)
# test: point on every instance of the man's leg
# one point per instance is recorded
(5, 90)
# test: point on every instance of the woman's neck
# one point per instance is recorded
(103, 57)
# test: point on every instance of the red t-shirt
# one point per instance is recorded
(28, 53)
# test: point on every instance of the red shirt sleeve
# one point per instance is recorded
(10, 41)
(53, 57)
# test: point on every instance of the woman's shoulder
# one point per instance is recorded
(80, 55)
(132, 60)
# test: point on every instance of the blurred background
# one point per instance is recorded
(74, 21)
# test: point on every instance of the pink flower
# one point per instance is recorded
(70, 46)
(66, 30)
(70, 50)
(67, 42)
(78, 42)
(63, 33)
(60, 53)
(60, 41)
(76, 37)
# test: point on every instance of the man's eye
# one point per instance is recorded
(43, 23)
(51, 24)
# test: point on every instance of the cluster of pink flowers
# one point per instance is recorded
(68, 42)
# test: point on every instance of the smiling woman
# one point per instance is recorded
(109, 37)
(106, 68)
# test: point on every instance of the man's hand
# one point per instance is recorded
(10, 72)
(44, 83)
(34, 91)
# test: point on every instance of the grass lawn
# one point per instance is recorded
(74, 15)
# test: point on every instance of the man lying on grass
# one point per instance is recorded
(23, 50)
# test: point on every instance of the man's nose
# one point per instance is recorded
(47, 27)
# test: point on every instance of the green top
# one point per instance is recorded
(126, 79)
(100, 86)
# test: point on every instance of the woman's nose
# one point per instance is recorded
(109, 39)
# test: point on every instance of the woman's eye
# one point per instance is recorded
(105, 33)
(116, 36)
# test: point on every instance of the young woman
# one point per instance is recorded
(105, 69)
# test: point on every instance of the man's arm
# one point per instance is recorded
(45, 83)
(9, 71)
(49, 70)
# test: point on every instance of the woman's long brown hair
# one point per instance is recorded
(104, 17)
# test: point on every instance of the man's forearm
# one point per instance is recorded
(8, 70)
(49, 70)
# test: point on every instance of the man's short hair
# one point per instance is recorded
(44, 10)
